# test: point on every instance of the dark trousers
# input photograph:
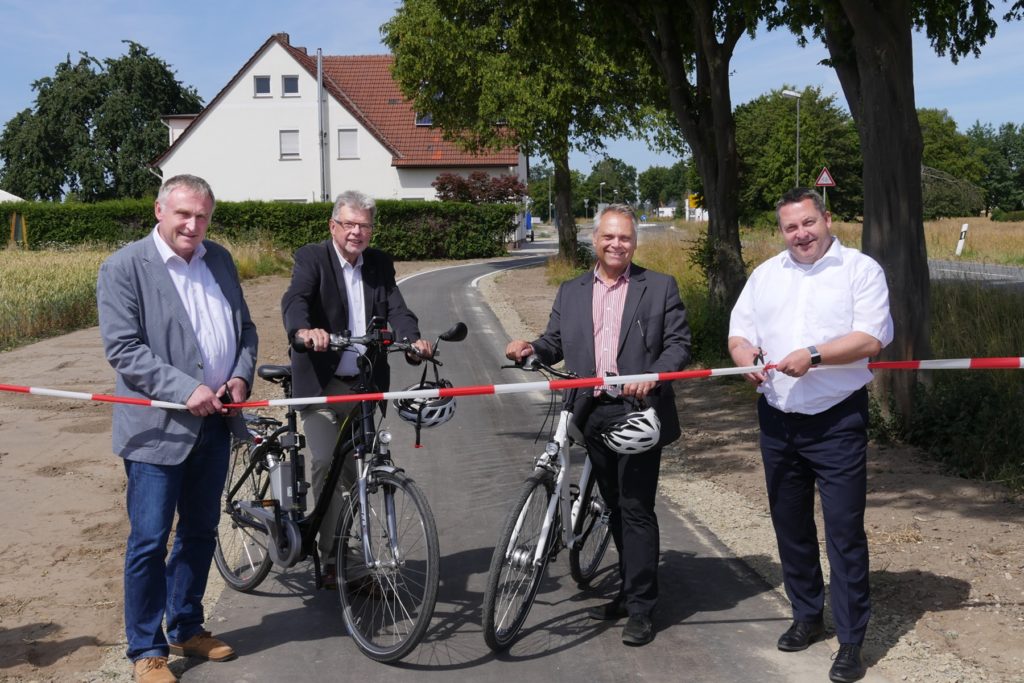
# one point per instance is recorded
(628, 484)
(828, 449)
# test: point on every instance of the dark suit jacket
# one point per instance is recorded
(149, 341)
(316, 298)
(654, 337)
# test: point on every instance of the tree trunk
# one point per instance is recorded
(564, 220)
(870, 44)
(679, 36)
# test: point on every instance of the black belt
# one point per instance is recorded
(605, 399)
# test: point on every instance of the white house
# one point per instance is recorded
(259, 138)
(8, 197)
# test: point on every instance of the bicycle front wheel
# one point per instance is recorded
(241, 554)
(515, 575)
(592, 534)
(387, 579)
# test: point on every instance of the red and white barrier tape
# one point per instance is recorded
(1006, 363)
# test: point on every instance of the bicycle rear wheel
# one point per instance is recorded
(241, 554)
(592, 533)
(387, 604)
(514, 577)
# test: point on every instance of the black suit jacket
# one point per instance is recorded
(654, 336)
(316, 298)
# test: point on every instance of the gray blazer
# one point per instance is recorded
(654, 336)
(149, 342)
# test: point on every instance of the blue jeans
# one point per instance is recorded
(154, 588)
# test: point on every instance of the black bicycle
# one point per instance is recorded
(387, 552)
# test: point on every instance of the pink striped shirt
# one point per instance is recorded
(609, 300)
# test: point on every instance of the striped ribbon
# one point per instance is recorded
(1004, 363)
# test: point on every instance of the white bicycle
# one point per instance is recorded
(534, 531)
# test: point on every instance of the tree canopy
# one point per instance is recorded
(1002, 153)
(534, 67)
(93, 128)
(765, 142)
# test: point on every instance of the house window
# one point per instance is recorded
(261, 86)
(424, 119)
(348, 143)
(289, 144)
(290, 86)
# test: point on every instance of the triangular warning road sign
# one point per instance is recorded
(824, 178)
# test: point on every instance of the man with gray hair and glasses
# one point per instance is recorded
(340, 284)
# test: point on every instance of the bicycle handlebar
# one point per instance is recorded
(532, 363)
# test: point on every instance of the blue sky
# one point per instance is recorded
(207, 42)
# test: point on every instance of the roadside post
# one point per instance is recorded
(963, 238)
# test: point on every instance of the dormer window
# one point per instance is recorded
(290, 86)
(261, 86)
(424, 119)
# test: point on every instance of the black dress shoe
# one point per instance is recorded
(800, 635)
(610, 611)
(639, 630)
(847, 667)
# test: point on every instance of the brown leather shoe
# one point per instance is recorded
(153, 670)
(204, 646)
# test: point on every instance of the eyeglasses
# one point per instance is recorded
(352, 226)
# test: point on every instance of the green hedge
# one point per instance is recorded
(409, 230)
(1007, 216)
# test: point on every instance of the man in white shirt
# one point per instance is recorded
(816, 303)
(340, 284)
(175, 328)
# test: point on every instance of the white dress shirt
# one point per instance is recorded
(208, 311)
(353, 275)
(787, 305)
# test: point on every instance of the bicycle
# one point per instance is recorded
(387, 550)
(534, 532)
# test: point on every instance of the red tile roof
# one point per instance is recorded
(364, 86)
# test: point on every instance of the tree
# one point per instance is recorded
(765, 142)
(1002, 154)
(952, 167)
(479, 188)
(689, 44)
(619, 180)
(532, 66)
(93, 128)
(662, 186)
(870, 48)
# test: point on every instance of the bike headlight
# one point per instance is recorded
(384, 436)
(551, 448)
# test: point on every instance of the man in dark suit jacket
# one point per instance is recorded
(176, 328)
(340, 284)
(621, 319)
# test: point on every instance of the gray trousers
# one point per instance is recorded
(320, 424)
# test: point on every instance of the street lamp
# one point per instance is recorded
(586, 207)
(794, 94)
(601, 192)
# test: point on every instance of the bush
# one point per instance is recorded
(1007, 216)
(409, 230)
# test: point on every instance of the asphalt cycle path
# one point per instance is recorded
(716, 620)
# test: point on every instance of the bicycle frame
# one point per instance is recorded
(562, 502)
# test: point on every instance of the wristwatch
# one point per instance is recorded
(815, 355)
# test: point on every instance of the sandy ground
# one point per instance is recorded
(947, 553)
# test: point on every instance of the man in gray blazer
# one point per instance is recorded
(621, 319)
(175, 328)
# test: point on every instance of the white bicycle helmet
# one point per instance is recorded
(636, 432)
(426, 412)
